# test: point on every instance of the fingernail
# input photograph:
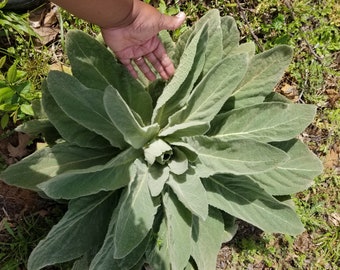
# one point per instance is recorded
(180, 14)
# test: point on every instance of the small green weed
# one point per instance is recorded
(15, 95)
(15, 33)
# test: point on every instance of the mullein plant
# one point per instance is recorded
(156, 174)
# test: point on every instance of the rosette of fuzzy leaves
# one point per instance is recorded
(157, 174)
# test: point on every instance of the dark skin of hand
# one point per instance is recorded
(130, 29)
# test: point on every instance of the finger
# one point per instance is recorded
(154, 61)
(130, 68)
(164, 60)
(172, 22)
(142, 65)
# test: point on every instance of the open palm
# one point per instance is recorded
(138, 41)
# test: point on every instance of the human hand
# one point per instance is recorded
(137, 40)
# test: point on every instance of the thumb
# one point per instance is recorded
(171, 22)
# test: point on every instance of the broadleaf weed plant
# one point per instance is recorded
(156, 175)
(16, 95)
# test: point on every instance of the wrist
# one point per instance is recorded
(125, 19)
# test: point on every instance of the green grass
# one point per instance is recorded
(311, 27)
(17, 239)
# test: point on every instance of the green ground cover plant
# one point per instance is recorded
(16, 95)
(12, 23)
(160, 182)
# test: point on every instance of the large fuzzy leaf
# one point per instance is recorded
(180, 46)
(178, 222)
(214, 48)
(49, 162)
(242, 198)
(293, 176)
(206, 237)
(69, 129)
(190, 191)
(169, 44)
(115, 174)
(77, 232)
(158, 253)
(70, 186)
(179, 163)
(286, 122)
(136, 214)
(83, 105)
(157, 177)
(104, 259)
(211, 93)
(245, 48)
(176, 93)
(125, 121)
(185, 129)
(263, 73)
(157, 150)
(214, 52)
(235, 157)
(95, 66)
(231, 35)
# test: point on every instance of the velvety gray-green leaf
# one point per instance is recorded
(136, 214)
(73, 185)
(49, 162)
(76, 232)
(180, 46)
(178, 221)
(214, 48)
(295, 175)
(264, 122)
(132, 260)
(231, 34)
(104, 258)
(190, 191)
(169, 44)
(156, 149)
(186, 148)
(179, 163)
(248, 49)
(237, 156)
(158, 254)
(69, 129)
(263, 73)
(185, 129)
(176, 93)
(157, 177)
(230, 227)
(242, 198)
(125, 121)
(276, 97)
(83, 105)
(95, 66)
(210, 94)
(206, 239)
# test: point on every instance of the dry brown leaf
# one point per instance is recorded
(20, 150)
(334, 218)
(44, 22)
(333, 97)
(290, 91)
